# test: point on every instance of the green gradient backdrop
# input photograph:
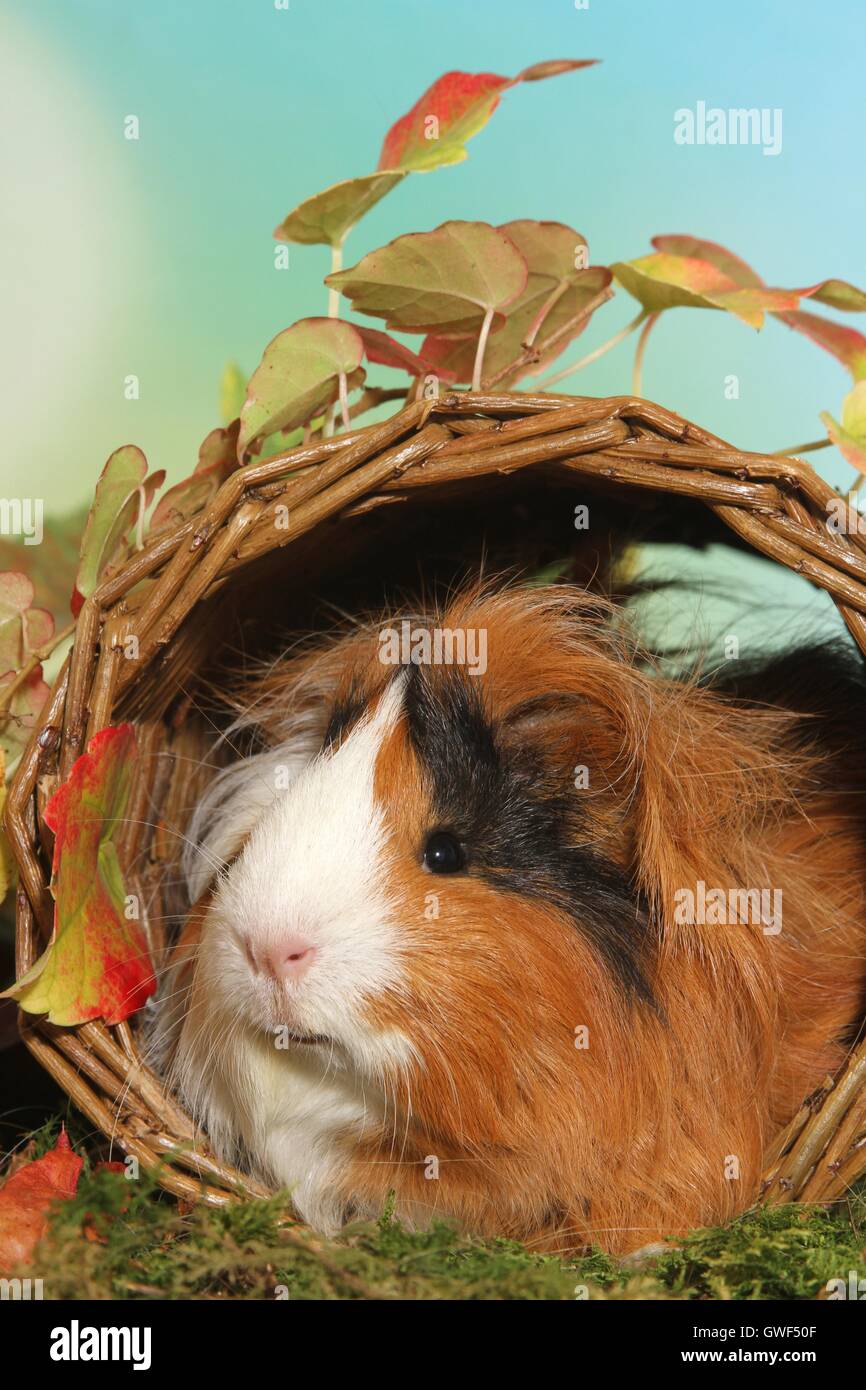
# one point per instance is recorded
(155, 257)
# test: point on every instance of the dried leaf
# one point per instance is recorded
(327, 217)
(455, 108)
(447, 279)
(97, 963)
(23, 629)
(299, 376)
(26, 1200)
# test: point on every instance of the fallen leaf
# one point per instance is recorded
(26, 1200)
(97, 963)
(448, 279)
(298, 376)
(434, 132)
(327, 217)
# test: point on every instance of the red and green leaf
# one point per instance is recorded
(23, 710)
(550, 309)
(850, 436)
(27, 1199)
(691, 271)
(217, 459)
(446, 280)
(23, 628)
(327, 217)
(97, 963)
(459, 104)
(298, 377)
(846, 344)
(381, 348)
(123, 494)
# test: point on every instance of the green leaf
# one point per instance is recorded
(850, 436)
(97, 963)
(23, 628)
(447, 279)
(233, 392)
(298, 377)
(455, 108)
(327, 217)
(558, 290)
(124, 492)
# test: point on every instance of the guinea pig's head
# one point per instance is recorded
(456, 886)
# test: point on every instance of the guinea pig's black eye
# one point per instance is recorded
(443, 853)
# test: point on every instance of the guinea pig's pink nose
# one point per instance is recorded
(289, 959)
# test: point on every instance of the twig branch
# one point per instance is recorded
(334, 294)
(802, 448)
(598, 352)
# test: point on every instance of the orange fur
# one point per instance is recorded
(636, 1136)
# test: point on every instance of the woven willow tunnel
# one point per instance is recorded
(390, 494)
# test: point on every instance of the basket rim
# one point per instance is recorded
(777, 504)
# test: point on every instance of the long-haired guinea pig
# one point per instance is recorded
(501, 920)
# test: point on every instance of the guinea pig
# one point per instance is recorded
(499, 919)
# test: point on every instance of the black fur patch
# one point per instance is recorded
(344, 714)
(520, 834)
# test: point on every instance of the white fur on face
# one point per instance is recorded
(314, 866)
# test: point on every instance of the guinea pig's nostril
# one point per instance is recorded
(289, 959)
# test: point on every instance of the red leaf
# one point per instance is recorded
(97, 963)
(457, 105)
(27, 1198)
(388, 352)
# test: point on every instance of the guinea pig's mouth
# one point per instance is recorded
(309, 1039)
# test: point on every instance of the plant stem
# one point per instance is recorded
(344, 401)
(803, 448)
(594, 356)
(34, 659)
(480, 350)
(550, 303)
(334, 295)
(637, 369)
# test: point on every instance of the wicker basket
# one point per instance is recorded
(353, 501)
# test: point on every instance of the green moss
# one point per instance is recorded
(139, 1243)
